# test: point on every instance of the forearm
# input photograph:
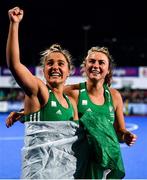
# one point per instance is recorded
(12, 48)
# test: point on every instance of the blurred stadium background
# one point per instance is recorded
(120, 26)
(130, 81)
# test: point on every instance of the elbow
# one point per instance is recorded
(10, 64)
(9, 60)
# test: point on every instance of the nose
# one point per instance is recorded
(55, 66)
(96, 65)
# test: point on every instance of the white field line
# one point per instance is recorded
(12, 138)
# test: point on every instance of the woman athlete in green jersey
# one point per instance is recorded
(56, 67)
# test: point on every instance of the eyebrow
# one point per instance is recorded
(58, 61)
(97, 59)
(53, 59)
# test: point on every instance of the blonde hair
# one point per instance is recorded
(56, 48)
(108, 78)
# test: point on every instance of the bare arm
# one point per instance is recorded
(72, 91)
(119, 124)
(74, 104)
(22, 75)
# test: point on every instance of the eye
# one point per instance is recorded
(101, 62)
(49, 62)
(92, 61)
(61, 63)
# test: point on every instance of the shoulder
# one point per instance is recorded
(115, 93)
(41, 83)
(43, 91)
(116, 97)
(37, 87)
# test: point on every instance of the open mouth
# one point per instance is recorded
(55, 74)
(95, 72)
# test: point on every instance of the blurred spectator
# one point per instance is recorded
(11, 94)
(2, 95)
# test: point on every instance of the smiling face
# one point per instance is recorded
(56, 69)
(97, 66)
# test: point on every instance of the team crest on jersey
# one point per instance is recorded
(53, 104)
(82, 90)
(84, 102)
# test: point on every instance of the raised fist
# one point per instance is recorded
(15, 14)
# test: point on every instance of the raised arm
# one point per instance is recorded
(22, 75)
(120, 127)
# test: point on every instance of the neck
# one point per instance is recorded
(56, 89)
(95, 87)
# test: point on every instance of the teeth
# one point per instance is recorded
(55, 74)
(97, 72)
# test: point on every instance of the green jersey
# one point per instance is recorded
(85, 103)
(100, 129)
(52, 111)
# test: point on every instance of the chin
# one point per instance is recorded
(94, 77)
(53, 81)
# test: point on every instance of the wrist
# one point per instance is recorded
(122, 134)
